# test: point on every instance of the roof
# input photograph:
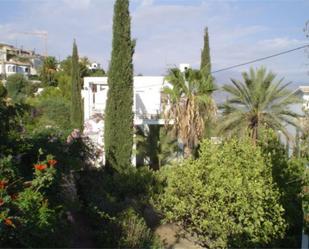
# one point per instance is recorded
(302, 89)
(18, 63)
(6, 45)
(144, 81)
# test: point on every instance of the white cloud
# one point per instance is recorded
(167, 34)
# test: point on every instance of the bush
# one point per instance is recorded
(288, 174)
(110, 200)
(135, 233)
(226, 197)
(26, 217)
(19, 88)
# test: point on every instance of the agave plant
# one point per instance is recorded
(259, 101)
(190, 105)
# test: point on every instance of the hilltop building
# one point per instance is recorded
(17, 60)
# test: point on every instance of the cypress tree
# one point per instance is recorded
(76, 99)
(205, 56)
(208, 85)
(118, 133)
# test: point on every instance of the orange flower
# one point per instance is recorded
(1, 202)
(8, 222)
(40, 166)
(52, 162)
(2, 184)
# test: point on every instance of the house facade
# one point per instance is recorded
(147, 107)
(14, 60)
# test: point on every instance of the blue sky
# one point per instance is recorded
(169, 32)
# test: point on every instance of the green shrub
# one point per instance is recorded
(26, 217)
(135, 233)
(19, 88)
(108, 200)
(226, 197)
(288, 174)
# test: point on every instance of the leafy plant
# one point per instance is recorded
(189, 105)
(226, 197)
(26, 218)
(257, 102)
(135, 233)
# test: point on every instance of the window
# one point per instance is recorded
(93, 88)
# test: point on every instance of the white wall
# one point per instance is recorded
(147, 96)
(11, 68)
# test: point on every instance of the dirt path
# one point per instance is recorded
(82, 236)
(168, 233)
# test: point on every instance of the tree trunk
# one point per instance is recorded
(187, 152)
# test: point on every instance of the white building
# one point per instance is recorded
(12, 67)
(14, 60)
(94, 66)
(147, 98)
(147, 107)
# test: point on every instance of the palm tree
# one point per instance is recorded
(48, 71)
(259, 101)
(189, 105)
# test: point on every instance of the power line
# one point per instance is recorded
(260, 59)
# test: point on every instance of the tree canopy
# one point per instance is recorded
(259, 101)
(118, 133)
(226, 197)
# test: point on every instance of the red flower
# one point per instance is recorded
(1, 202)
(8, 222)
(52, 162)
(14, 196)
(2, 184)
(40, 166)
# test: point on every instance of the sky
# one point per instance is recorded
(169, 32)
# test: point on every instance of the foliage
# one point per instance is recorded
(97, 73)
(50, 109)
(76, 99)
(189, 106)
(10, 114)
(206, 69)
(48, 71)
(135, 233)
(256, 103)
(19, 88)
(55, 113)
(115, 204)
(226, 197)
(26, 217)
(118, 133)
(64, 84)
(83, 63)
(205, 56)
(155, 147)
(289, 176)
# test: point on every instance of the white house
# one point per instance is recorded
(13, 67)
(94, 66)
(147, 107)
(17, 60)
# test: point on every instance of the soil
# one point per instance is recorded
(82, 236)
